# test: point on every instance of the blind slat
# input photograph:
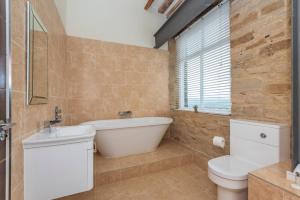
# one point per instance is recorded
(203, 63)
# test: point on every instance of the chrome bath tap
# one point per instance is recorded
(125, 114)
(58, 116)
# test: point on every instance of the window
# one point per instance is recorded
(203, 63)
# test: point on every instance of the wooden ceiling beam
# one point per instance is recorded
(164, 6)
(148, 4)
(174, 8)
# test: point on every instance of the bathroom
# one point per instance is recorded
(149, 99)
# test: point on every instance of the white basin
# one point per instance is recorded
(60, 135)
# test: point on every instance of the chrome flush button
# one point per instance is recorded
(263, 135)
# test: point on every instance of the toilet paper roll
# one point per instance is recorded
(219, 142)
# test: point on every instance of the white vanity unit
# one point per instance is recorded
(59, 163)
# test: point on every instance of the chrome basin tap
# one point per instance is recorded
(57, 118)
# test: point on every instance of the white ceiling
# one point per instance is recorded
(122, 21)
(155, 5)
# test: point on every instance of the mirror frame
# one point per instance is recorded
(30, 99)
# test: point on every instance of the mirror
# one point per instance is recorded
(37, 59)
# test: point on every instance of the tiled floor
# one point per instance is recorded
(182, 183)
(166, 174)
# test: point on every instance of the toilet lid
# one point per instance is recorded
(230, 167)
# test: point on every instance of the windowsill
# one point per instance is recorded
(217, 112)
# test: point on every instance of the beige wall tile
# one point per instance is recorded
(104, 78)
(31, 118)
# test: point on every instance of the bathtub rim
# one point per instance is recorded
(98, 127)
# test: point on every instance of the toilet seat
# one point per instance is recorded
(231, 167)
(227, 183)
(230, 172)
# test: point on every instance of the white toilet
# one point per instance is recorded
(253, 145)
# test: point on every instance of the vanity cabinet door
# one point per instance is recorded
(55, 171)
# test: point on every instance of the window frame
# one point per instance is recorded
(182, 76)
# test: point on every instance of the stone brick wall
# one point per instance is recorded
(261, 60)
(261, 75)
(196, 130)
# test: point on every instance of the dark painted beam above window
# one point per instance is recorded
(185, 15)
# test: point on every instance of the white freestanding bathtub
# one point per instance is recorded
(123, 137)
